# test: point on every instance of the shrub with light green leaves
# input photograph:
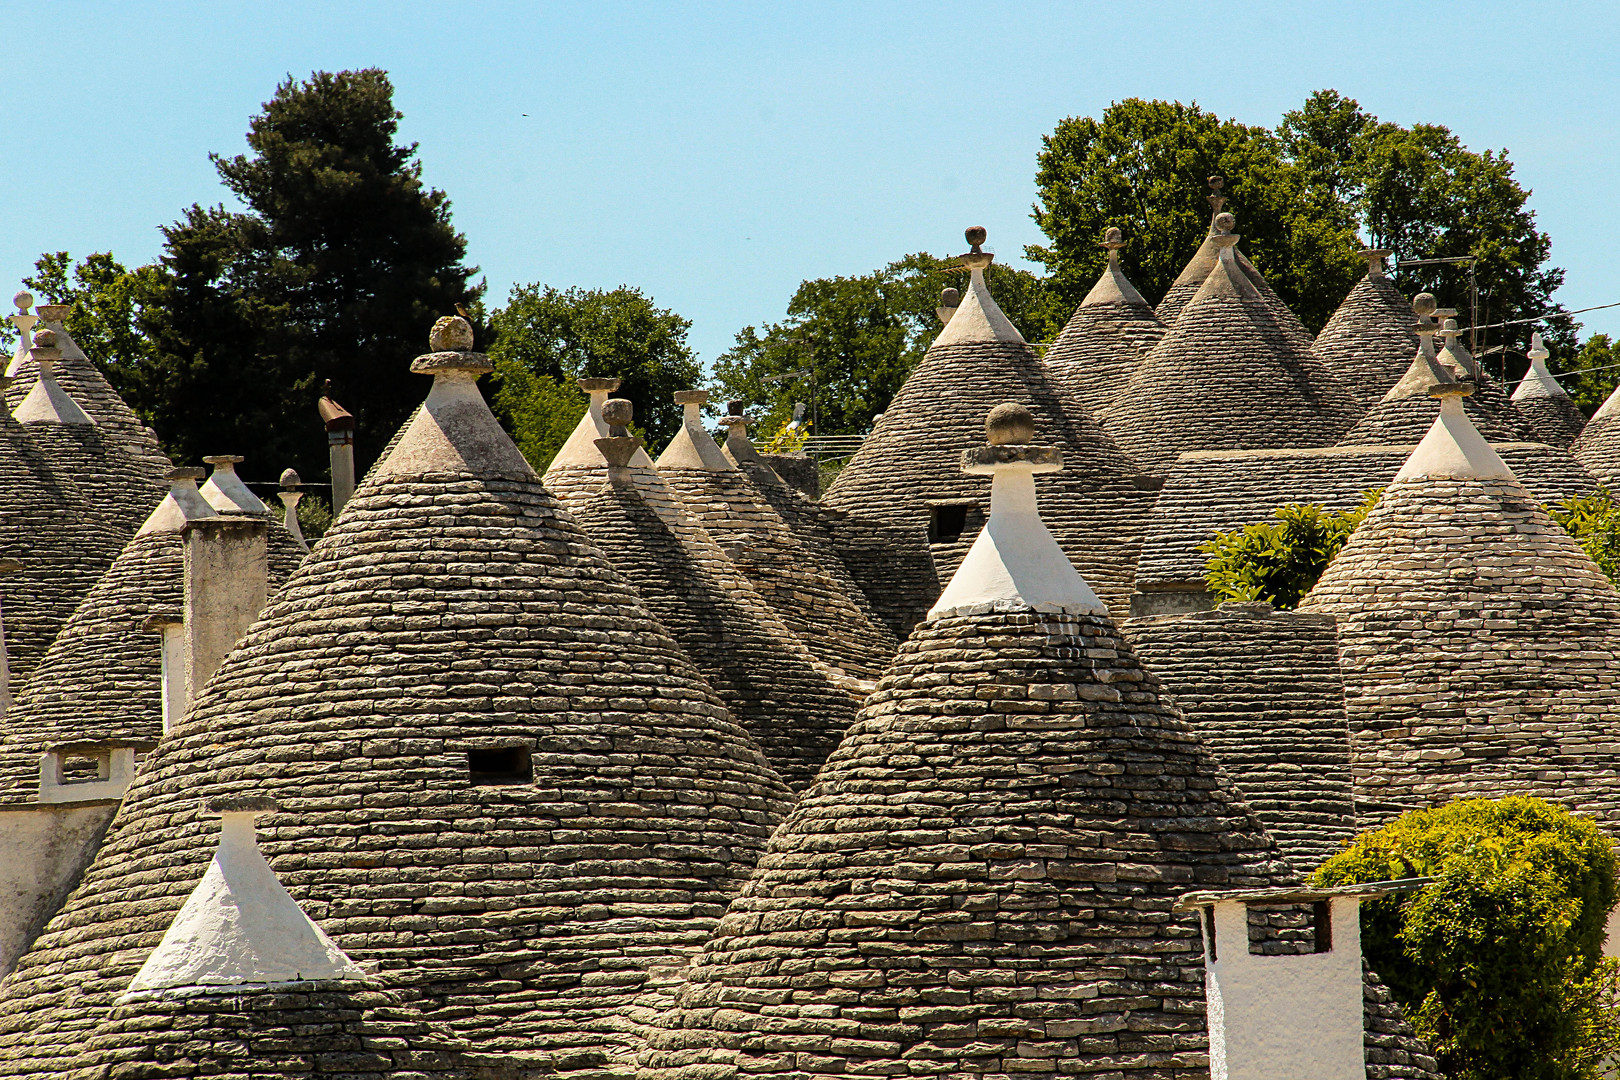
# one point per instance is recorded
(1594, 521)
(1279, 561)
(1498, 963)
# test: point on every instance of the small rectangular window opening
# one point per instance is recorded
(945, 523)
(85, 768)
(1323, 919)
(1209, 933)
(501, 765)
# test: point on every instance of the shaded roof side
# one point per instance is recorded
(1398, 421)
(1553, 418)
(101, 678)
(1478, 658)
(1099, 347)
(830, 616)
(85, 383)
(116, 487)
(441, 615)
(763, 674)
(1192, 276)
(1262, 689)
(1218, 492)
(1598, 447)
(912, 461)
(1369, 341)
(342, 1031)
(1226, 376)
(948, 842)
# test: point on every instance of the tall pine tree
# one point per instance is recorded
(335, 270)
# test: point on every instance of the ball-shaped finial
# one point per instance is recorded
(1225, 222)
(452, 333)
(1450, 326)
(735, 408)
(618, 412)
(24, 300)
(1424, 303)
(976, 235)
(290, 478)
(1113, 235)
(1216, 183)
(950, 297)
(45, 339)
(1010, 424)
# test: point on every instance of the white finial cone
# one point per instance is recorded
(239, 927)
(978, 317)
(1015, 564)
(47, 402)
(693, 447)
(580, 451)
(1454, 449)
(1538, 382)
(226, 493)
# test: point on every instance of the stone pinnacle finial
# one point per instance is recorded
(1538, 349)
(45, 342)
(606, 386)
(1375, 260)
(1460, 388)
(618, 412)
(976, 235)
(1217, 199)
(180, 475)
(290, 479)
(736, 407)
(1424, 304)
(1113, 239)
(1225, 223)
(619, 446)
(451, 342)
(1010, 424)
(24, 300)
(977, 258)
(949, 301)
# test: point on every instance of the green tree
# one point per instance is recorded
(1594, 521)
(863, 335)
(1143, 167)
(336, 268)
(545, 338)
(1498, 962)
(1589, 376)
(1280, 561)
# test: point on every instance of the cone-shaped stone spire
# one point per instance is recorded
(978, 317)
(1476, 638)
(1106, 337)
(833, 619)
(579, 451)
(908, 471)
(1013, 798)
(1598, 447)
(1227, 377)
(1489, 398)
(46, 402)
(1369, 341)
(1553, 418)
(225, 491)
(455, 661)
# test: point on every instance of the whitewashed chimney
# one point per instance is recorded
(226, 583)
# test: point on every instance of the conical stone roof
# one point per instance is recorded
(762, 672)
(981, 880)
(889, 564)
(822, 607)
(1227, 376)
(505, 788)
(1369, 341)
(1262, 689)
(1493, 400)
(1476, 638)
(1544, 404)
(1598, 447)
(1106, 337)
(907, 472)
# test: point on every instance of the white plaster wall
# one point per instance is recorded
(43, 852)
(226, 580)
(1281, 1017)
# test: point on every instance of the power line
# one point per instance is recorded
(1549, 315)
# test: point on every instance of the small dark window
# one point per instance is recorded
(1209, 933)
(503, 765)
(1323, 919)
(945, 523)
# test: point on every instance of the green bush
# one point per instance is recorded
(1279, 561)
(1594, 521)
(1497, 962)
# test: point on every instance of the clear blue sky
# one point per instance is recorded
(716, 154)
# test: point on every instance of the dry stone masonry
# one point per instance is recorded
(1369, 341)
(1544, 404)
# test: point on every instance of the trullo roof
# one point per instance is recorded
(1369, 341)
(1544, 404)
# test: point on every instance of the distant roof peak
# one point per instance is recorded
(1375, 261)
(693, 447)
(977, 317)
(183, 503)
(1112, 286)
(47, 402)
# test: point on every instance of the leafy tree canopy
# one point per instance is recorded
(1591, 374)
(862, 336)
(1280, 561)
(1303, 194)
(1498, 963)
(545, 338)
(335, 269)
(1594, 521)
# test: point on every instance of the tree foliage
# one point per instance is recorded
(1279, 561)
(335, 269)
(1591, 374)
(1302, 193)
(1498, 962)
(546, 338)
(1594, 521)
(863, 335)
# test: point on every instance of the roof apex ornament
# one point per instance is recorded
(1217, 196)
(1375, 260)
(451, 342)
(977, 258)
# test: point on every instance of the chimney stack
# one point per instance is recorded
(226, 584)
(340, 445)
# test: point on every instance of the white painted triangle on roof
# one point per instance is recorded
(226, 493)
(48, 403)
(978, 317)
(454, 432)
(1538, 381)
(1113, 287)
(693, 447)
(580, 450)
(183, 503)
(239, 927)
(1454, 449)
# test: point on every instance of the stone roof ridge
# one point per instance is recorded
(1112, 286)
(239, 926)
(693, 447)
(978, 317)
(579, 451)
(1538, 381)
(226, 492)
(48, 402)
(1015, 564)
(1454, 448)
(183, 503)
(453, 431)
(1226, 277)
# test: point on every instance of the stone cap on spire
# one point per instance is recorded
(240, 927)
(48, 402)
(619, 447)
(1375, 260)
(949, 300)
(24, 321)
(1113, 287)
(1538, 381)
(978, 317)
(184, 503)
(225, 491)
(451, 342)
(693, 447)
(1454, 448)
(1226, 278)
(1015, 564)
(1217, 200)
(1454, 352)
(580, 450)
